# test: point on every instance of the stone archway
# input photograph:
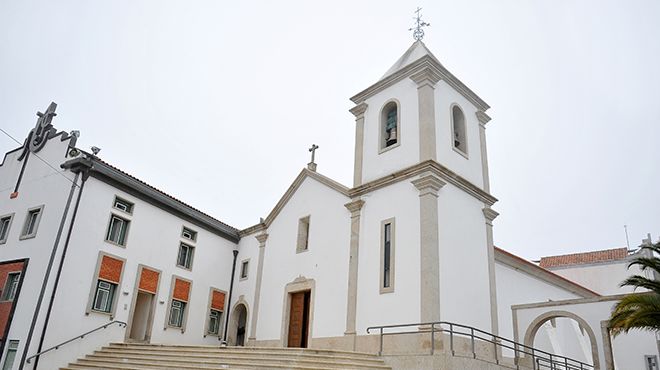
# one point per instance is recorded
(237, 330)
(536, 324)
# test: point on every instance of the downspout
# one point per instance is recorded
(85, 176)
(47, 273)
(231, 290)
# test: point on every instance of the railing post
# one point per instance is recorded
(380, 351)
(451, 338)
(566, 362)
(552, 363)
(432, 338)
(474, 353)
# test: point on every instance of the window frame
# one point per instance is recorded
(392, 248)
(382, 118)
(184, 319)
(458, 150)
(118, 199)
(192, 232)
(7, 288)
(95, 279)
(40, 211)
(10, 217)
(302, 241)
(12, 346)
(127, 222)
(221, 317)
(111, 291)
(190, 259)
(182, 313)
(245, 262)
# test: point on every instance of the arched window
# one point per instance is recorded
(389, 124)
(458, 129)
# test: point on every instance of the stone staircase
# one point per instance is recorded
(174, 357)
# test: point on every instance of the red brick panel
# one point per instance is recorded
(5, 307)
(181, 290)
(110, 269)
(149, 280)
(218, 300)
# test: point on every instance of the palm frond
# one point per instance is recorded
(639, 281)
(636, 311)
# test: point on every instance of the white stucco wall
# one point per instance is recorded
(325, 261)
(602, 278)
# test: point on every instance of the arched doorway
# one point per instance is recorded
(237, 325)
(550, 329)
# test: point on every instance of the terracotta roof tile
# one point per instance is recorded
(584, 258)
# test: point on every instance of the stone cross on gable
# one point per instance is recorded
(311, 165)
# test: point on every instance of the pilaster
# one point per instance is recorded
(358, 111)
(355, 207)
(489, 216)
(428, 185)
(261, 238)
(426, 80)
(483, 119)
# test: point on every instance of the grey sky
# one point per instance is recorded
(216, 103)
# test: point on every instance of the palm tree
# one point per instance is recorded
(640, 311)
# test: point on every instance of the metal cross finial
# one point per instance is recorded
(418, 32)
(311, 165)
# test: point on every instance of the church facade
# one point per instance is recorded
(85, 245)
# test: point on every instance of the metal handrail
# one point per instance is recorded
(540, 358)
(57, 346)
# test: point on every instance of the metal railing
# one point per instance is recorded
(539, 359)
(81, 336)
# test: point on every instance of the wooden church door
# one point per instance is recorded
(299, 319)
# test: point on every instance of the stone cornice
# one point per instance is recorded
(426, 76)
(490, 214)
(354, 207)
(441, 171)
(261, 238)
(358, 110)
(482, 117)
(428, 183)
(252, 229)
(415, 67)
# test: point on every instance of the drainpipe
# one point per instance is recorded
(231, 289)
(85, 175)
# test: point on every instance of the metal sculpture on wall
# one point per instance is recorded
(39, 134)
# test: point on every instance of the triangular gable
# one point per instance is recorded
(416, 51)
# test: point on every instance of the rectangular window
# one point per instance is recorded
(651, 362)
(123, 205)
(12, 347)
(303, 234)
(244, 269)
(189, 234)
(11, 286)
(185, 256)
(117, 230)
(214, 322)
(5, 223)
(31, 223)
(176, 313)
(105, 293)
(387, 256)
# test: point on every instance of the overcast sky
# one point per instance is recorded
(216, 103)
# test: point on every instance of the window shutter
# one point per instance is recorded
(149, 280)
(218, 301)
(111, 269)
(181, 290)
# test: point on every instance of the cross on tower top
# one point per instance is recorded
(418, 32)
(311, 165)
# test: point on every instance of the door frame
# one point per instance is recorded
(233, 322)
(152, 313)
(300, 284)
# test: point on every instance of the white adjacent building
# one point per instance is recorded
(84, 244)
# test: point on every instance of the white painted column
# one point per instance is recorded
(257, 289)
(490, 215)
(428, 185)
(483, 119)
(355, 208)
(358, 112)
(426, 80)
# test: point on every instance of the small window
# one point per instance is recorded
(12, 348)
(117, 230)
(105, 293)
(303, 234)
(389, 123)
(5, 223)
(185, 256)
(214, 322)
(244, 269)
(31, 223)
(11, 286)
(651, 362)
(458, 129)
(123, 205)
(189, 234)
(177, 310)
(387, 256)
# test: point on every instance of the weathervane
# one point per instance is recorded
(418, 32)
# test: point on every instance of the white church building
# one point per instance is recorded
(406, 250)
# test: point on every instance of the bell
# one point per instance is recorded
(391, 139)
